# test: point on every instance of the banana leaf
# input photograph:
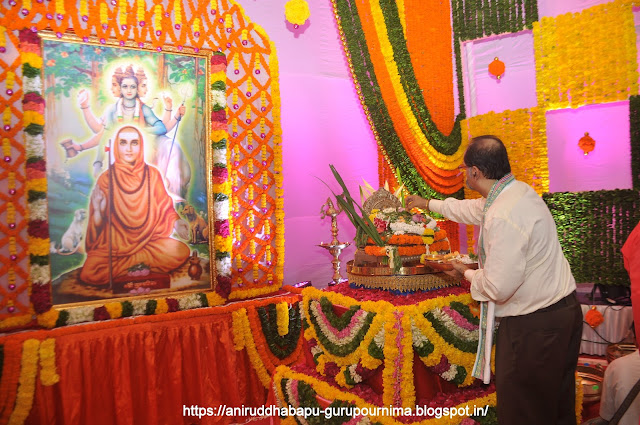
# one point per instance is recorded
(360, 221)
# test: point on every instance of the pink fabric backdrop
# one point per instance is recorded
(322, 124)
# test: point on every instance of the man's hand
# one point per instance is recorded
(458, 270)
(415, 201)
(83, 99)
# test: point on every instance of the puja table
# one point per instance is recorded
(372, 349)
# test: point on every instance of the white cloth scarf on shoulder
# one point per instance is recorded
(482, 365)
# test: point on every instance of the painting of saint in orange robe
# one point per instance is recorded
(141, 213)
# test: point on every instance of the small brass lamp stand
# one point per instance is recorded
(335, 247)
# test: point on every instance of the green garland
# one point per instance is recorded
(338, 322)
(465, 312)
(346, 349)
(450, 337)
(592, 227)
(634, 124)
(474, 19)
(280, 346)
(364, 74)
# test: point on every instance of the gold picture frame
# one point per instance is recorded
(128, 166)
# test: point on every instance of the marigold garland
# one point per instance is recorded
(565, 72)
(437, 340)
(26, 390)
(249, 334)
(48, 373)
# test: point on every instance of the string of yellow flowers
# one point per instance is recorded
(241, 321)
(282, 312)
(48, 373)
(573, 70)
(27, 382)
(445, 162)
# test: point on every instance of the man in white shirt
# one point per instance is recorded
(524, 272)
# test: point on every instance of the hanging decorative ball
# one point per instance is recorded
(263, 135)
(296, 26)
(121, 43)
(250, 147)
(593, 317)
(264, 211)
(248, 94)
(250, 175)
(11, 309)
(265, 187)
(59, 34)
(240, 270)
(12, 3)
(9, 92)
(235, 134)
(12, 286)
(158, 33)
(264, 163)
(237, 71)
(12, 226)
(248, 120)
(229, 30)
(7, 127)
(228, 45)
(13, 257)
(7, 159)
(85, 39)
(263, 109)
(180, 48)
(167, 15)
(213, 11)
(105, 26)
(34, 29)
(142, 23)
(24, 12)
(586, 143)
(257, 71)
(114, 3)
(158, 49)
(236, 106)
(245, 42)
(196, 34)
(102, 41)
(123, 27)
(496, 68)
(221, 20)
(2, 49)
(85, 18)
(297, 12)
(49, 16)
(177, 26)
(59, 16)
(140, 44)
(196, 49)
(12, 191)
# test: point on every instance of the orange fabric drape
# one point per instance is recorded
(430, 21)
(144, 370)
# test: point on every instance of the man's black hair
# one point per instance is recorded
(489, 155)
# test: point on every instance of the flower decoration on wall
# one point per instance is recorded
(496, 68)
(586, 143)
(297, 12)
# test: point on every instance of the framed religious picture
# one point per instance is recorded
(127, 160)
